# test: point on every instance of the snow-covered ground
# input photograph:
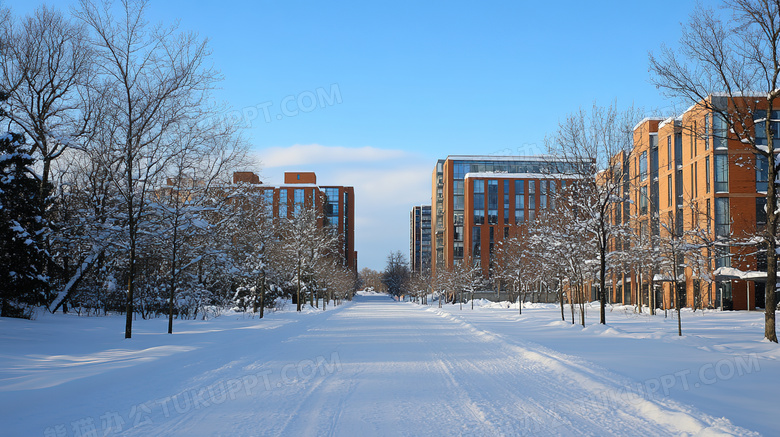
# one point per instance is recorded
(380, 367)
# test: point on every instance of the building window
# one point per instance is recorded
(345, 212)
(458, 218)
(720, 132)
(458, 233)
(643, 199)
(519, 216)
(476, 244)
(492, 194)
(707, 133)
(669, 152)
(458, 202)
(479, 216)
(492, 201)
(643, 166)
(283, 202)
(268, 200)
(542, 194)
(760, 211)
(721, 173)
(531, 195)
(723, 259)
(298, 201)
(707, 172)
(457, 250)
(331, 206)
(762, 174)
(457, 188)
(669, 191)
(460, 170)
(519, 201)
(552, 195)
(506, 202)
(760, 127)
(479, 195)
(722, 217)
(678, 146)
(479, 201)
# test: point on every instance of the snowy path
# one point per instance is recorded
(374, 367)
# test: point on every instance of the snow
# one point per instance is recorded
(529, 158)
(380, 367)
(520, 175)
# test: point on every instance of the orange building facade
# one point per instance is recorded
(480, 200)
(693, 180)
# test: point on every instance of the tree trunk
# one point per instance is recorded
(298, 300)
(602, 281)
(173, 272)
(677, 307)
(651, 293)
(262, 295)
(560, 296)
(771, 231)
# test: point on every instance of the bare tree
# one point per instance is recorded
(155, 80)
(735, 58)
(396, 274)
(47, 67)
(370, 278)
(203, 154)
(590, 141)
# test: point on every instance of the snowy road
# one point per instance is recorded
(373, 367)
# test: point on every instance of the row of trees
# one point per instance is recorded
(734, 54)
(132, 208)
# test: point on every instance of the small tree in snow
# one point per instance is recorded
(590, 140)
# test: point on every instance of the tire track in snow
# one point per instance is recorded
(585, 382)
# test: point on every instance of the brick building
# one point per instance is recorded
(300, 189)
(479, 200)
(693, 179)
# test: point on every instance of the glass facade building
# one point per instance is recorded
(475, 192)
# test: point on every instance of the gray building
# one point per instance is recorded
(420, 238)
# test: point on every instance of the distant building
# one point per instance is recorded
(300, 189)
(420, 238)
(479, 200)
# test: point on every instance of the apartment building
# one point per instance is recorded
(480, 200)
(693, 180)
(420, 238)
(300, 190)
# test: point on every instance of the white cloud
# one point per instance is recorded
(305, 154)
(387, 184)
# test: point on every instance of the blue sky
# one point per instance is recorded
(370, 94)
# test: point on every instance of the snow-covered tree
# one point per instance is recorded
(590, 140)
(23, 284)
(47, 68)
(153, 81)
(396, 274)
(303, 241)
